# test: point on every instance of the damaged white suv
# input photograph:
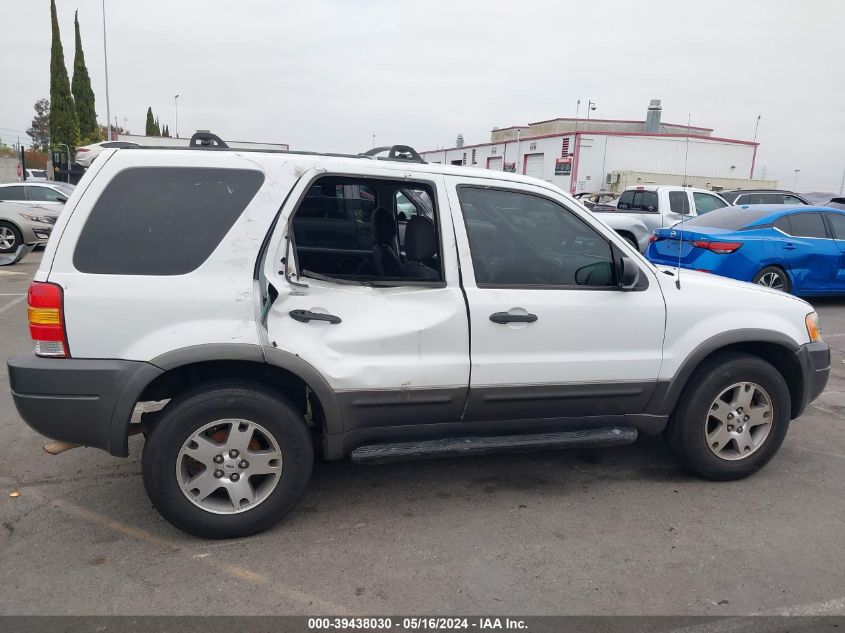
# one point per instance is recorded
(275, 305)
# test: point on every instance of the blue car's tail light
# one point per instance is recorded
(720, 248)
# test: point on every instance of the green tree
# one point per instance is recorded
(151, 124)
(64, 126)
(83, 95)
(39, 132)
(158, 128)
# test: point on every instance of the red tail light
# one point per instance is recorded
(46, 320)
(654, 238)
(82, 149)
(721, 248)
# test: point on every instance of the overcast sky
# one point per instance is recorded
(328, 74)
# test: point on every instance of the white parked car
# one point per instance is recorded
(267, 299)
(50, 195)
(37, 175)
(86, 154)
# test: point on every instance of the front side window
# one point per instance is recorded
(526, 240)
(787, 199)
(45, 194)
(679, 202)
(162, 220)
(807, 225)
(704, 202)
(366, 230)
(17, 192)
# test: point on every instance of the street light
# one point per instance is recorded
(795, 182)
(176, 105)
(106, 59)
(591, 105)
(756, 125)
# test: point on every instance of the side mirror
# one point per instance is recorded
(629, 274)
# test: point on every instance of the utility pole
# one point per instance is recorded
(842, 184)
(795, 182)
(106, 60)
(176, 105)
(756, 125)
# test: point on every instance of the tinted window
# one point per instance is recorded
(679, 202)
(44, 194)
(837, 223)
(638, 200)
(836, 203)
(37, 173)
(730, 196)
(13, 193)
(162, 220)
(705, 203)
(522, 239)
(787, 199)
(782, 224)
(759, 198)
(807, 225)
(728, 218)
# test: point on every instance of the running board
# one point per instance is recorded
(465, 446)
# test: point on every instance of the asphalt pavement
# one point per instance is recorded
(613, 531)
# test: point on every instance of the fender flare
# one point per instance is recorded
(667, 393)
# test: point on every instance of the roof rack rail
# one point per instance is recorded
(204, 138)
(395, 152)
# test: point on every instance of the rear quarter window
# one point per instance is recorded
(162, 220)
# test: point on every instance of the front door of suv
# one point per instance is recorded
(552, 335)
(393, 347)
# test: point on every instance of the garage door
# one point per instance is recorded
(494, 162)
(534, 165)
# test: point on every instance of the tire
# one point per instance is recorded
(694, 424)
(630, 239)
(773, 275)
(267, 425)
(10, 237)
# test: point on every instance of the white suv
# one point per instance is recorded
(277, 303)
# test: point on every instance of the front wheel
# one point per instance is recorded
(227, 460)
(731, 419)
(10, 237)
(773, 277)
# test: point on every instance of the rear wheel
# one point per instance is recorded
(227, 460)
(10, 237)
(731, 419)
(773, 277)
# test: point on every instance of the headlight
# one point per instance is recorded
(812, 322)
(35, 218)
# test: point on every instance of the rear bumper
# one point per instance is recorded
(814, 359)
(82, 401)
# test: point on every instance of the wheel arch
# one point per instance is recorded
(774, 347)
(278, 370)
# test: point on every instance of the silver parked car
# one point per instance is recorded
(22, 223)
(46, 194)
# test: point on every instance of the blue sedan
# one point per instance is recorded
(797, 249)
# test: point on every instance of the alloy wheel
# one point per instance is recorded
(739, 421)
(772, 280)
(7, 238)
(229, 466)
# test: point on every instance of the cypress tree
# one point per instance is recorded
(64, 126)
(83, 95)
(158, 128)
(151, 124)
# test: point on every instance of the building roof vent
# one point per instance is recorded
(652, 119)
(460, 141)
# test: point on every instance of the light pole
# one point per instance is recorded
(795, 182)
(106, 60)
(591, 105)
(176, 106)
(756, 125)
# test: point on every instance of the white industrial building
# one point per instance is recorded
(596, 154)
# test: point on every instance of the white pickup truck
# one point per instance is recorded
(643, 208)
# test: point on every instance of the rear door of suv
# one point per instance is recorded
(552, 335)
(392, 344)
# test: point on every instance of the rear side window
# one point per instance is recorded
(162, 220)
(759, 198)
(679, 202)
(807, 225)
(837, 223)
(705, 203)
(17, 192)
(787, 199)
(638, 200)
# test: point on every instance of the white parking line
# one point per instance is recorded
(12, 303)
